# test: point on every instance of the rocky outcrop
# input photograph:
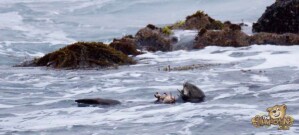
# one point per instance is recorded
(275, 39)
(197, 21)
(281, 17)
(82, 55)
(191, 93)
(232, 36)
(126, 45)
(96, 101)
(152, 38)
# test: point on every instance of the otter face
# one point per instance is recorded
(157, 95)
(277, 111)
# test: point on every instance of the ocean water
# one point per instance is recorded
(239, 82)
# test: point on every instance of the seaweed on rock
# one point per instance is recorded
(198, 20)
(82, 55)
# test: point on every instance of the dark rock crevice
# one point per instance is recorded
(280, 17)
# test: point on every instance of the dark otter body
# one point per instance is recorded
(96, 101)
(191, 93)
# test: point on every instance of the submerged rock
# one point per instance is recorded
(82, 55)
(96, 101)
(191, 93)
(152, 38)
(281, 17)
(126, 45)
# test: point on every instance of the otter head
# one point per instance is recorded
(157, 95)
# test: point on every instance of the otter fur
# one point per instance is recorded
(165, 98)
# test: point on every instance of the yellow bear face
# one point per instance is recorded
(277, 111)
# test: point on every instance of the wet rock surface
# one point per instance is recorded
(281, 17)
(228, 37)
(152, 38)
(126, 45)
(275, 39)
(233, 36)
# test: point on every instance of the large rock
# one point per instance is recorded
(231, 36)
(127, 45)
(152, 38)
(191, 93)
(281, 17)
(82, 55)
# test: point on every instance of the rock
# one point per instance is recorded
(275, 39)
(231, 36)
(197, 21)
(96, 101)
(152, 38)
(82, 55)
(126, 45)
(191, 93)
(280, 17)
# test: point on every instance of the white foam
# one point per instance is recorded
(260, 78)
(243, 90)
(265, 53)
(221, 96)
(49, 102)
(280, 88)
(6, 106)
(7, 22)
(78, 91)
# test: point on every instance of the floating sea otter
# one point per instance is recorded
(190, 93)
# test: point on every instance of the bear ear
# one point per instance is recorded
(269, 109)
(284, 106)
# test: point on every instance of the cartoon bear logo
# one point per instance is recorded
(277, 112)
(276, 116)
